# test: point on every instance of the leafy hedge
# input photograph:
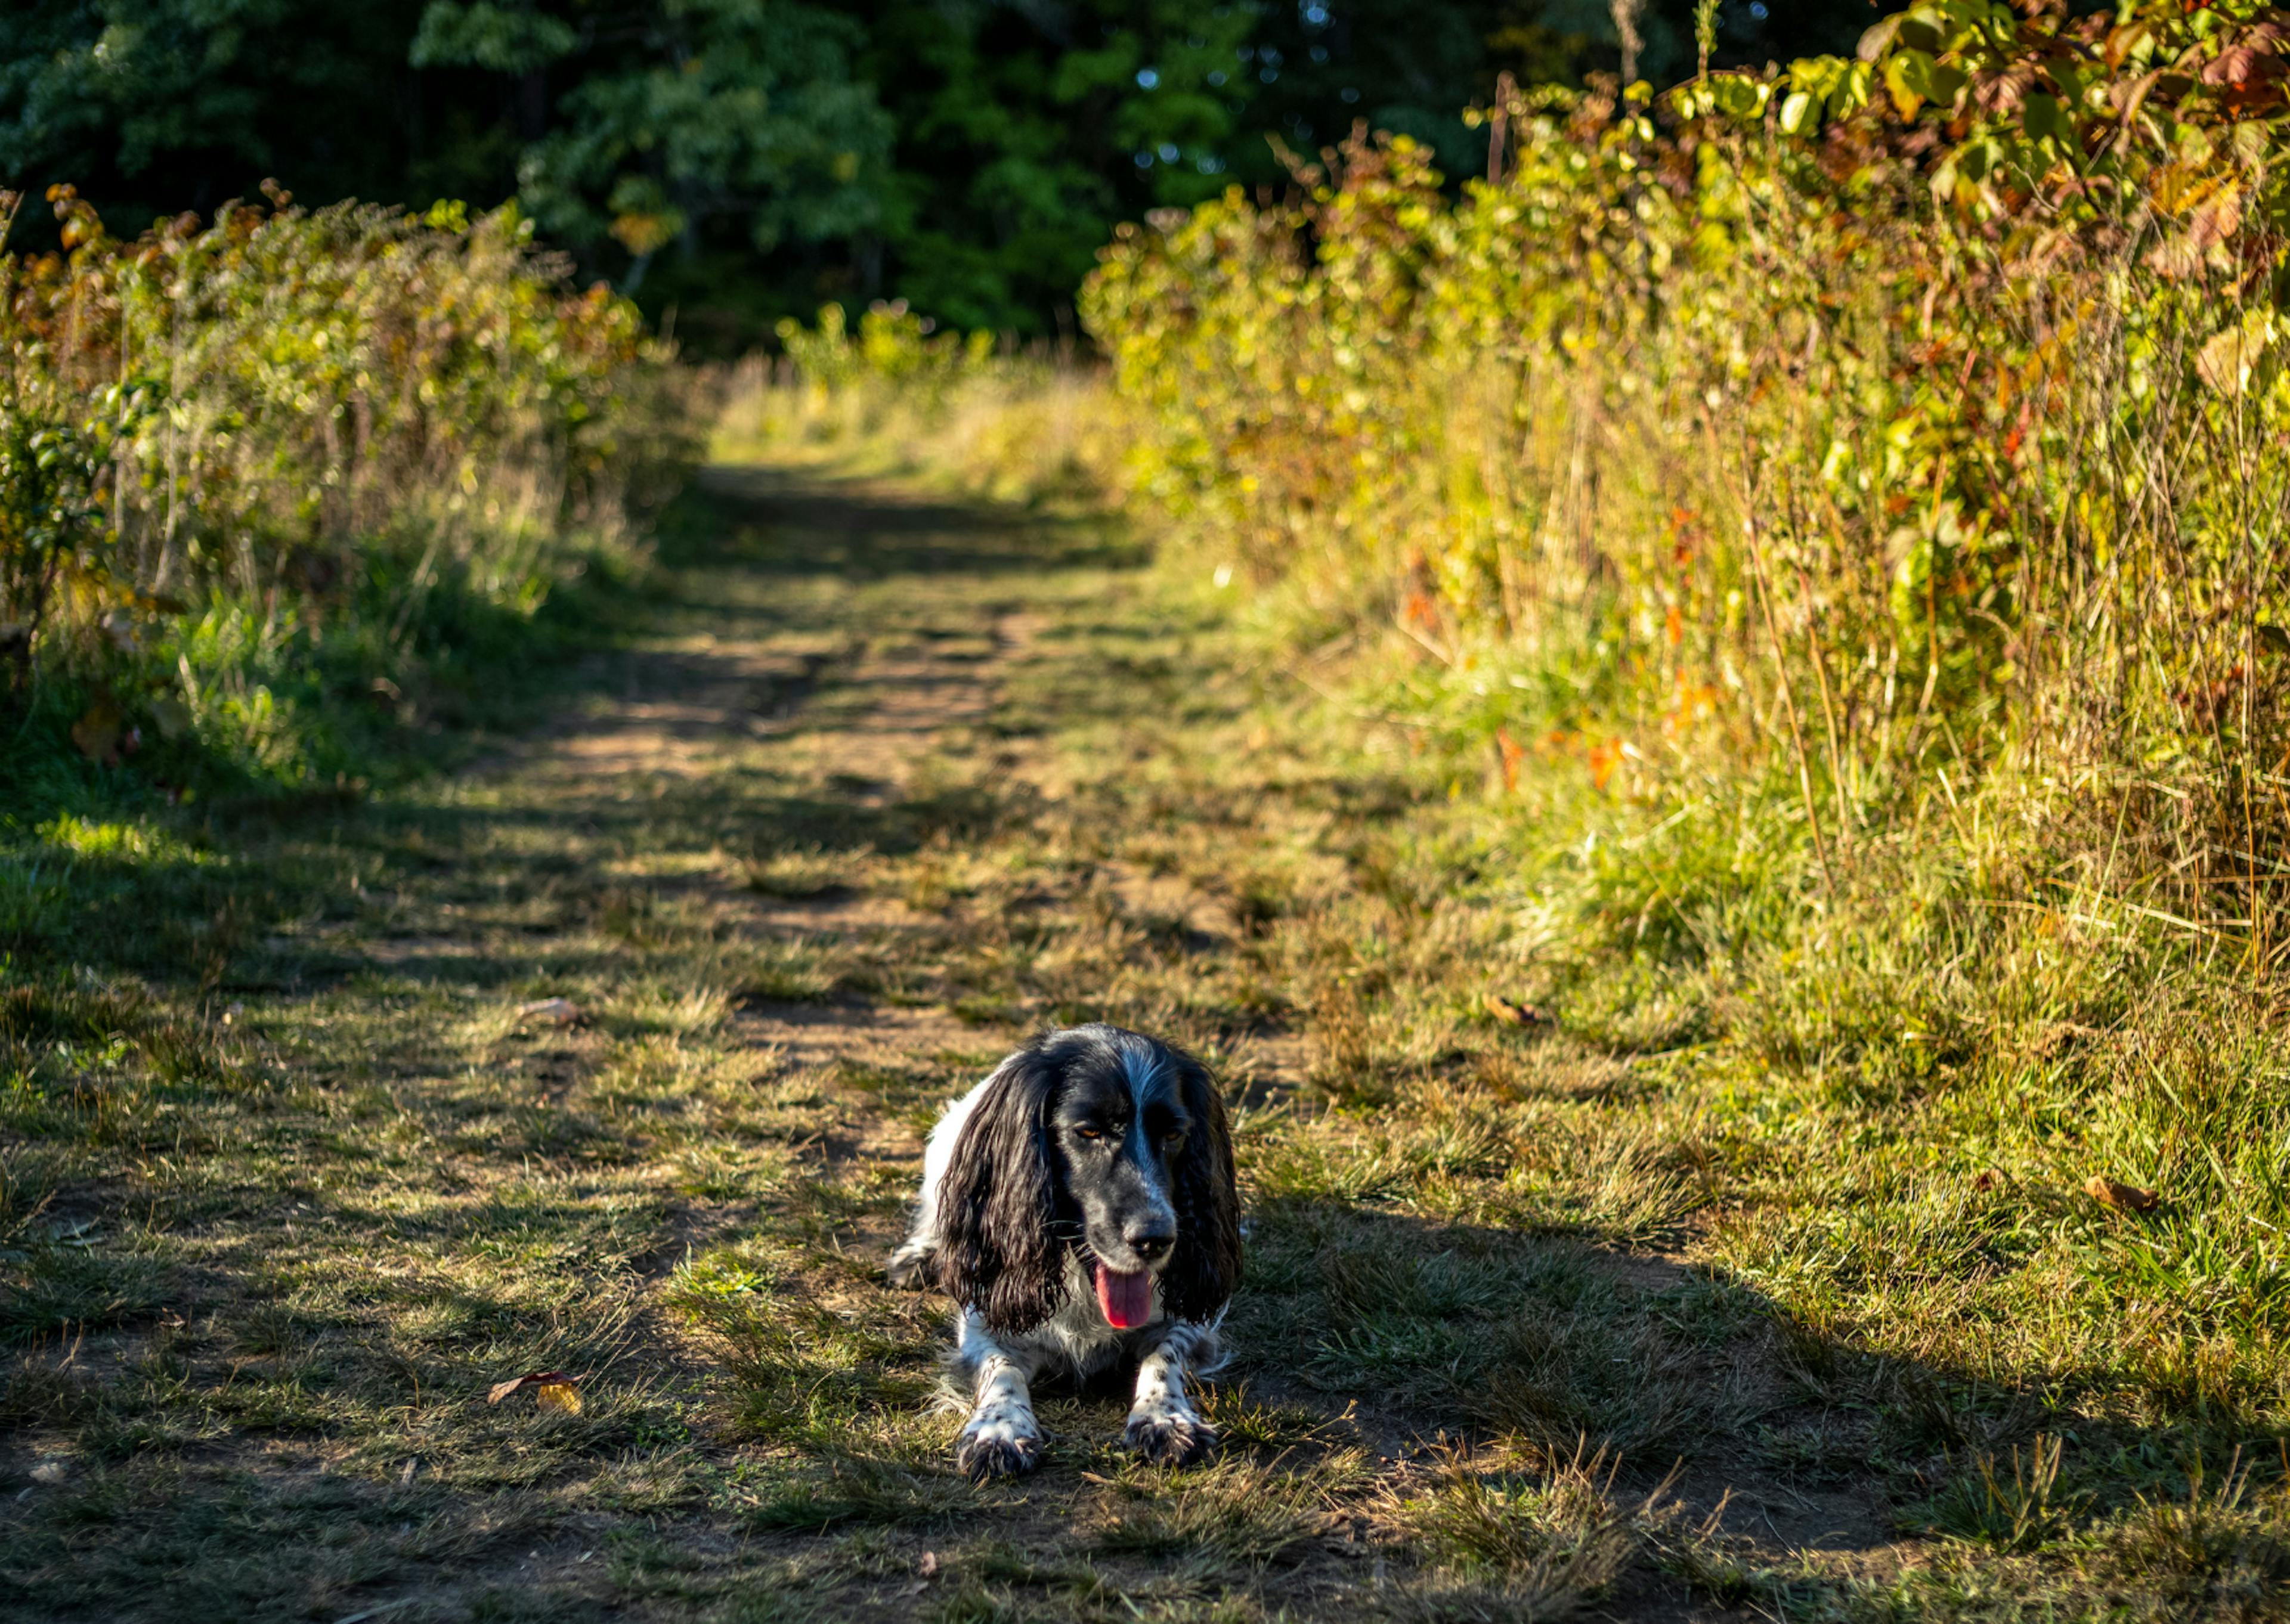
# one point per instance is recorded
(1889, 424)
(280, 461)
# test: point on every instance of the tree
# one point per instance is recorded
(678, 116)
(1025, 131)
(156, 106)
(744, 159)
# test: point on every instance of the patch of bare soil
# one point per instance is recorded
(862, 1034)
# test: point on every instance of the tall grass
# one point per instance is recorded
(284, 461)
(1897, 441)
(891, 393)
(1823, 531)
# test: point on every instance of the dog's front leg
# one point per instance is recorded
(1002, 1438)
(1164, 1427)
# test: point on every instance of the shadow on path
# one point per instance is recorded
(819, 678)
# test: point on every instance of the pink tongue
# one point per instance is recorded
(1127, 1300)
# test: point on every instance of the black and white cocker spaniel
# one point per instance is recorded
(1079, 1206)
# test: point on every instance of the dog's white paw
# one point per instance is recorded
(997, 1448)
(1171, 1437)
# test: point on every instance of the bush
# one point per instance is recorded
(1897, 432)
(1020, 425)
(286, 460)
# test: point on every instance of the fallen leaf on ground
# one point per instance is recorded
(550, 1012)
(1516, 1014)
(544, 1380)
(558, 1396)
(2129, 1197)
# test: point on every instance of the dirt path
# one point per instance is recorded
(881, 784)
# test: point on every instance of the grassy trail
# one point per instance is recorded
(873, 785)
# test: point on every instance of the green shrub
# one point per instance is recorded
(264, 481)
(1903, 434)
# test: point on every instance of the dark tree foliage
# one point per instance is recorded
(741, 159)
(158, 105)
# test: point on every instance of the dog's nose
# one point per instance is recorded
(1149, 1242)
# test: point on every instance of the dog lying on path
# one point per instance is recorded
(1079, 1206)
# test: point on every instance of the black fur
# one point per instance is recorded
(1206, 1265)
(997, 1250)
(1006, 1222)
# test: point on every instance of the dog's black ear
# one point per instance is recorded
(997, 1250)
(1205, 1266)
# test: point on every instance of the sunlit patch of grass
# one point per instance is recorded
(1243, 1421)
(87, 837)
(790, 972)
(711, 1169)
(802, 873)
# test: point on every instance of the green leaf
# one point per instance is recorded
(1908, 79)
(2042, 118)
(1878, 38)
(1737, 95)
(489, 36)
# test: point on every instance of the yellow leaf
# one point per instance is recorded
(545, 1383)
(643, 232)
(1511, 1012)
(2128, 1197)
(2178, 188)
(2231, 358)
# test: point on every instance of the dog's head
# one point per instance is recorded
(1101, 1143)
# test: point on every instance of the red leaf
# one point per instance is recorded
(2241, 65)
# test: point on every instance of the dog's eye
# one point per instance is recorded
(1174, 1137)
(1091, 1132)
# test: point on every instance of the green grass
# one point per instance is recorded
(1790, 1211)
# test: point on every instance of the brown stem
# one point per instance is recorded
(1781, 667)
